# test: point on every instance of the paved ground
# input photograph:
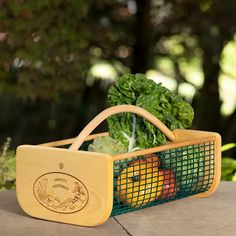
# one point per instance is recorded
(213, 216)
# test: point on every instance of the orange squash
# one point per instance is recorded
(140, 183)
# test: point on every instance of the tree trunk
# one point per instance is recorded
(207, 103)
(142, 34)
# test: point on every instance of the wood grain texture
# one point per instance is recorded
(37, 166)
(64, 142)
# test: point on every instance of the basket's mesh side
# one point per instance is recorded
(149, 180)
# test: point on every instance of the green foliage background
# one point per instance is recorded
(7, 167)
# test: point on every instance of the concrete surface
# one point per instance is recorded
(212, 216)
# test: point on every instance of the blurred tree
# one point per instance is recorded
(210, 23)
(143, 44)
(46, 52)
(48, 47)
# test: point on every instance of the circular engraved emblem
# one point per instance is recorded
(60, 192)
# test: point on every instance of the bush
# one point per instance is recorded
(7, 167)
(228, 165)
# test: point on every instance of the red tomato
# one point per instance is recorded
(169, 188)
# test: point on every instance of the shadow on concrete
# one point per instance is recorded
(9, 203)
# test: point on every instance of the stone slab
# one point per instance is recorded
(212, 216)
(14, 222)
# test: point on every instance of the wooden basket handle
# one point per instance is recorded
(119, 109)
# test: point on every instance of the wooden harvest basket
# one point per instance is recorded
(85, 188)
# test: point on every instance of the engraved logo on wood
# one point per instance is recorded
(60, 192)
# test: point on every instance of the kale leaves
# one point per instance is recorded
(135, 132)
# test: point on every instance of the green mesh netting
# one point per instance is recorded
(153, 179)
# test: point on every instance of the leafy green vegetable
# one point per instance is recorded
(135, 132)
(106, 144)
(188, 164)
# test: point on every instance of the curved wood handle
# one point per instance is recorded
(119, 109)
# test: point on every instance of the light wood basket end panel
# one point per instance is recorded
(61, 170)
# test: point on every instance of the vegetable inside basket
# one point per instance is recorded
(188, 164)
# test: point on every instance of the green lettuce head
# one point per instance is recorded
(134, 131)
